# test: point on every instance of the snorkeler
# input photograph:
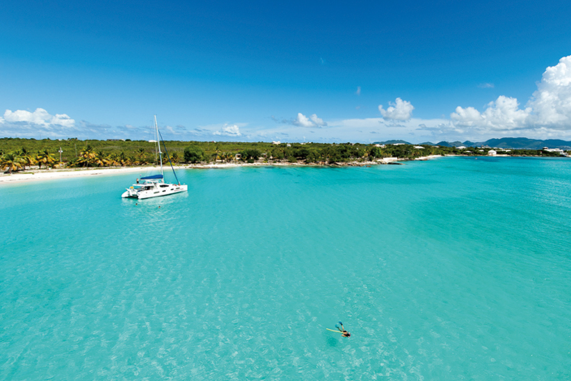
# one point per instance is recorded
(341, 330)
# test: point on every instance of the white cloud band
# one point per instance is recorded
(39, 117)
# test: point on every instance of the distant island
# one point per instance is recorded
(24, 154)
(509, 143)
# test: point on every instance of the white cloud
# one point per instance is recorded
(39, 117)
(358, 92)
(232, 130)
(551, 102)
(502, 114)
(38, 124)
(317, 121)
(549, 108)
(400, 110)
(312, 121)
(486, 85)
(303, 121)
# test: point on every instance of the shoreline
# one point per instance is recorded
(67, 173)
(34, 175)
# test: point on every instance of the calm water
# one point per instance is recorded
(445, 270)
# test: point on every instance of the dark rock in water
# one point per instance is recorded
(395, 163)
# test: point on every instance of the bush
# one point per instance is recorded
(313, 157)
(301, 153)
(250, 154)
(277, 154)
(193, 154)
(376, 152)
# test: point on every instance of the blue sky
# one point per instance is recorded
(256, 70)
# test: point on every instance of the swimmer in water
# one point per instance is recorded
(341, 329)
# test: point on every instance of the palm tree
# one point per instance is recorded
(174, 157)
(87, 152)
(122, 159)
(141, 156)
(82, 162)
(11, 162)
(27, 158)
(45, 158)
(227, 156)
(87, 157)
(112, 159)
(133, 160)
(100, 160)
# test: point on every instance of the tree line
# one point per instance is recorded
(20, 154)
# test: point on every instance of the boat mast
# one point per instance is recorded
(159, 146)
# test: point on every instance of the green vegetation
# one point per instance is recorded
(193, 154)
(19, 154)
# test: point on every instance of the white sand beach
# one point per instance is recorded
(54, 174)
(424, 158)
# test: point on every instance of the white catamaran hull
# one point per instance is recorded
(154, 186)
(157, 191)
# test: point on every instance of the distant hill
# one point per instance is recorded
(525, 143)
(514, 143)
(392, 142)
(450, 144)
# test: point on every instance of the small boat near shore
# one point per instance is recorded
(155, 186)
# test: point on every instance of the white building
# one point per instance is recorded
(461, 147)
(492, 153)
(276, 143)
(558, 150)
(419, 147)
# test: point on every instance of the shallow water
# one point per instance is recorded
(451, 269)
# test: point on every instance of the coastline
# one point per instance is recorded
(67, 173)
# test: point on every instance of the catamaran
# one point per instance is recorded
(155, 186)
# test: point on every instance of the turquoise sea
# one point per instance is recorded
(453, 269)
